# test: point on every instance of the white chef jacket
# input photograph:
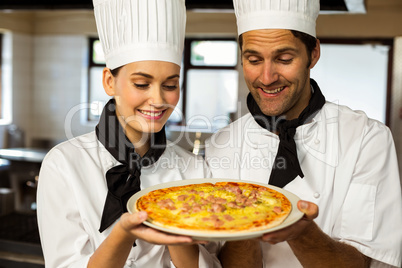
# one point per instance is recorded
(350, 171)
(71, 194)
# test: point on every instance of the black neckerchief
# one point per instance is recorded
(286, 165)
(123, 180)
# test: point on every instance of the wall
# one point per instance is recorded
(58, 89)
(383, 19)
(396, 100)
(49, 65)
(22, 90)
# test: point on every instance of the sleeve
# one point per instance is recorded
(207, 170)
(209, 255)
(372, 210)
(64, 240)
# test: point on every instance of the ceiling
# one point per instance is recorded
(326, 5)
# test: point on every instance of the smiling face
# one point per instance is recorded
(277, 71)
(146, 93)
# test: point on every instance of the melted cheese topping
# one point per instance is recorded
(220, 207)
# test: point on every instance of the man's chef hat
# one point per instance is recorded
(297, 15)
(138, 30)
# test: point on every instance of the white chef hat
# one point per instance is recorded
(138, 30)
(297, 15)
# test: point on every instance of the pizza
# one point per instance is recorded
(215, 207)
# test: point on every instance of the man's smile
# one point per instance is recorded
(273, 91)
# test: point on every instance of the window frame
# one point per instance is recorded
(91, 64)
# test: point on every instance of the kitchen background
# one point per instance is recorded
(45, 69)
(45, 61)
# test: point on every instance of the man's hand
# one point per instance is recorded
(312, 247)
(310, 211)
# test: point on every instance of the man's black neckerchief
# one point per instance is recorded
(286, 166)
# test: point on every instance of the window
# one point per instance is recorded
(210, 84)
(6, 67)
(97, 97)
(356, 73)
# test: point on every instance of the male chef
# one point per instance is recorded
(338, 161)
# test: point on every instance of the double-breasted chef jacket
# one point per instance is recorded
(350, 171)
(71, 195)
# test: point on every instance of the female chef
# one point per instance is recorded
(86, 182)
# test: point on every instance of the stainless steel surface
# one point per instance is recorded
(23, 154)
(24, 168)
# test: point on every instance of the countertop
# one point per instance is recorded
(23, 154)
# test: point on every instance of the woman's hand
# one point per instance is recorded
(132, 225)
(115, 249)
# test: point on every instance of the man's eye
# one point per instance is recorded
(253, 60)
(286, 60)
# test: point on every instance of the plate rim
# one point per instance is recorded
(293, 216)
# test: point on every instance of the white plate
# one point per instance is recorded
(293, 217)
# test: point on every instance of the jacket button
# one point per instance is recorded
(129, 263)
(254, 146)
(317, 141)
(316, 195)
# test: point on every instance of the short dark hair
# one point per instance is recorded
(309, 41)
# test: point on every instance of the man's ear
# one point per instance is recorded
(108, 81)
(315, 54)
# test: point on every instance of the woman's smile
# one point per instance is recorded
(154, 115)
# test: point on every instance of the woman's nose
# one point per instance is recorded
(156, 97)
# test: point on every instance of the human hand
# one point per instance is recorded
(302, 226)
(132, 225)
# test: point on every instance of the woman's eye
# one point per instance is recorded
(170, 87)
(142, 86)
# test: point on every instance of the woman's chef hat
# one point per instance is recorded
(297, 15)
(138, 30)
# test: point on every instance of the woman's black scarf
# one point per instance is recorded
(286, 166)
(123, 180)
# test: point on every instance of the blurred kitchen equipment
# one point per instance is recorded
(15, 137)
(6, 201)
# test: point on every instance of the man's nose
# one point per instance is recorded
(269, 74)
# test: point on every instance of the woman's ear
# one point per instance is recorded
(108, 81)
(315, 54)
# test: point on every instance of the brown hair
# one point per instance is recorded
(115, 71)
